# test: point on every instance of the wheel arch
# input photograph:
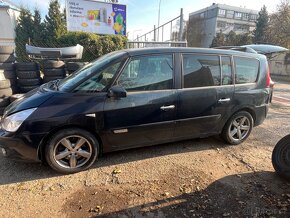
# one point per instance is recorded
(41, 148)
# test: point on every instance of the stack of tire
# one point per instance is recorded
(7, 76)
(53, 69)
(73, 66)
(28, 76)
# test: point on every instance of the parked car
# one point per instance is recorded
(281, 157)
(135, 98)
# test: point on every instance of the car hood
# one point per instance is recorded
(31, 99)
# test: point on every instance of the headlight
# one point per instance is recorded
(14, 121)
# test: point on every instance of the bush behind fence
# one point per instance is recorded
(94, 45)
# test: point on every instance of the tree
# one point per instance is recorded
(54, 22)
(260, 33)
(278, 32)
(218, 40)
(24, 32)
(38, 28)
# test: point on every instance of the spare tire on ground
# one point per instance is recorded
(5, 84)
(7, 66)
(6, 58)
(6, 92)
(27, 66)
(7, 49)
(29, 82)
(74, 66)
(49, 64)
(25, 89)
(28, 74)
(54, 72)
(4, 102)
(5, 74)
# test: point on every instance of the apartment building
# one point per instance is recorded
(205, 23)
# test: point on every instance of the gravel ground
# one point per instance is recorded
(201, 177)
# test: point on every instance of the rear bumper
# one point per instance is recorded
(261, 114)
(18, 148)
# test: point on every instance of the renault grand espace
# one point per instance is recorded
(135, 98)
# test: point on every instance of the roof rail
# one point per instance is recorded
(238, 48)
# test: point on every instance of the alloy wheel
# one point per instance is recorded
(72, 151)
(239, 128)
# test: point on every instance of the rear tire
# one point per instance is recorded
(281, 157)
(238, 128)
(71, 150)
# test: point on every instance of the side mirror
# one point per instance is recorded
(117, 92)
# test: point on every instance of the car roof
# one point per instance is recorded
(144, 51)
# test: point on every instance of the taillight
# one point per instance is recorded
(269, 81)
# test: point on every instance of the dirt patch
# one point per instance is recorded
(184, 193)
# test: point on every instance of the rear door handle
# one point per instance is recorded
(165, 108)
(224, 100)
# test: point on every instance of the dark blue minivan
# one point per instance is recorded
(134, 98)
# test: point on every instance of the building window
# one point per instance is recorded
(253, 17)
(222, 12)
(245, 16)
(238, 15)
(230, 14)
(201, 15)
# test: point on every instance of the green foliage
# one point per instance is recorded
(38, 28)
(94, 45)
(260, 33)
(231, 39)
(54, 22)
(24, 32)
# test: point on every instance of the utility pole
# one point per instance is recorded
(158, 20)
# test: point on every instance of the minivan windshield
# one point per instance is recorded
(87, 71)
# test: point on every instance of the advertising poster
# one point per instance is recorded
(95, 17)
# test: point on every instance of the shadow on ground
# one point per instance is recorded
(259, 194)
(13, 172)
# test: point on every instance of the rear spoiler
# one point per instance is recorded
(73, 52)
(238, 48)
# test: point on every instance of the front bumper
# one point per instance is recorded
(20, 147)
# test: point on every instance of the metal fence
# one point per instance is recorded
(169, 34)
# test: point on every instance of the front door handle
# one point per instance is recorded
(165, 108)
(224, 100)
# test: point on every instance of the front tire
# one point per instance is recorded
(281, 157)
(71, 150)
(238, 128)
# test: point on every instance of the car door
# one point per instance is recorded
(203, 101)
(146, 115)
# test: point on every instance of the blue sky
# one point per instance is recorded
(143, 14)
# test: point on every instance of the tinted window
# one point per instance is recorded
(226, 71)
(201, 70)
(153, 72)
(99, 81)
(246, 70)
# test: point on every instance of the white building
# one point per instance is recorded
(8, 18)
(220, 17)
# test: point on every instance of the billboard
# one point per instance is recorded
(95, 17)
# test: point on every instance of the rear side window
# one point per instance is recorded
(226, 71)
(246, 70)
(201, 70)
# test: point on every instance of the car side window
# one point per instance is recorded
(99, 81)
(246, 70)
(201, 70)
(227, 78)
(154, 72)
